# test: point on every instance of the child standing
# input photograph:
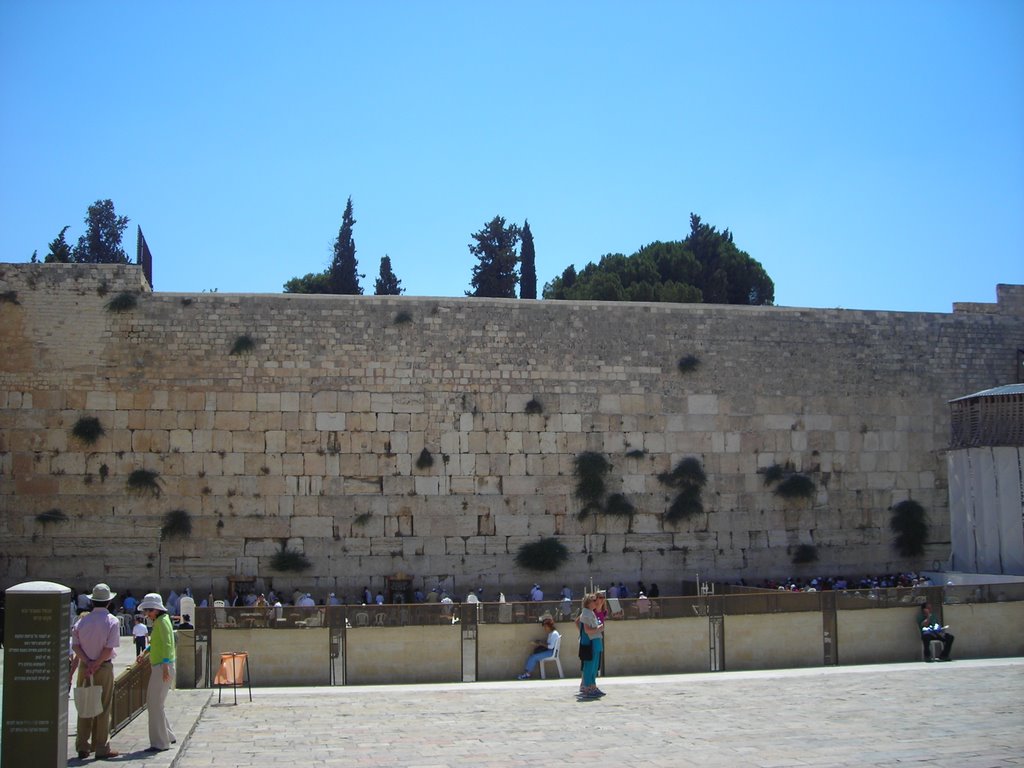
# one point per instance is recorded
(140, 632)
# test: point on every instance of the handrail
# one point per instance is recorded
(130, 694)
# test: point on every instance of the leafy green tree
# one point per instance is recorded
(561, 287)
(60, 250)
(705, 267)
(729, 275)
(527, 265)
(314, 282)
(101, 243)
(387, 283)
(343, 275)
(495, 275)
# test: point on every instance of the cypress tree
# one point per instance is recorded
(495, 247)
(387, 283)
(527, 265)
(343, 275)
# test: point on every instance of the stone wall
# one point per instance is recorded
(320, 437)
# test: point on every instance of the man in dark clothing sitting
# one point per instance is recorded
(932, 630)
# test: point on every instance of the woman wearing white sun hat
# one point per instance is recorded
(161, 680)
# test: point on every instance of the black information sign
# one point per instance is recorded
(36, 642)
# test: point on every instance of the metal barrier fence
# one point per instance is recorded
(129, 695)
(814, 619)
(739, 602)
(731, 601)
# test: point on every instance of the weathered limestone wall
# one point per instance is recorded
(312, 438)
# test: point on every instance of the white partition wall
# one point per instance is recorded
(986, 508)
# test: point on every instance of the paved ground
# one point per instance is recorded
(966, 714)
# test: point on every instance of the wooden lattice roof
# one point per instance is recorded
(990, 417)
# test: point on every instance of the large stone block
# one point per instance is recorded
(313, 527)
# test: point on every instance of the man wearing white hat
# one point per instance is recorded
(95, 639)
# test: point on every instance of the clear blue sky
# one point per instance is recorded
(868, 154)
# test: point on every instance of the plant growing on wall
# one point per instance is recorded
(688, 363)
(591, 469)
(403, 318)
(805, 553)
(547, 554)
(425, 460)
(618, 505)
(9, 297)
(144, 481)
(791, 484)
(123, 302)
(289, 560)
(177, 524)
(688, 478)
(51, 516)
(362, 519)
(795, 486)
(88, 429)
(776, 472)
(534, 406)
(243, 344)
(909, 523)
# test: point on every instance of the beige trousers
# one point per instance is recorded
(160, 734)
(94, 732)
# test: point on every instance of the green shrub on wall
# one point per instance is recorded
(123, 302)
(591, 469)
(88, 429)
(688, 364)
(177, 524)
(51, 516)
(805, 553)
(796, 486)
(791, 484)
(776, 472)
(619, 506)
(289, 560)
(424, 460)
(688, 477)
(143, 481)
(910, 524)
(243, 344)
(548, 554)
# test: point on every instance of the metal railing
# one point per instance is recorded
(349, 626)
(730, 600)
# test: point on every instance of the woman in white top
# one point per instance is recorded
(543, 649)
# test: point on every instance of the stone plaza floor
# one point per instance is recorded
(965, 714)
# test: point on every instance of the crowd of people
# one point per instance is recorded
(819, 583)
